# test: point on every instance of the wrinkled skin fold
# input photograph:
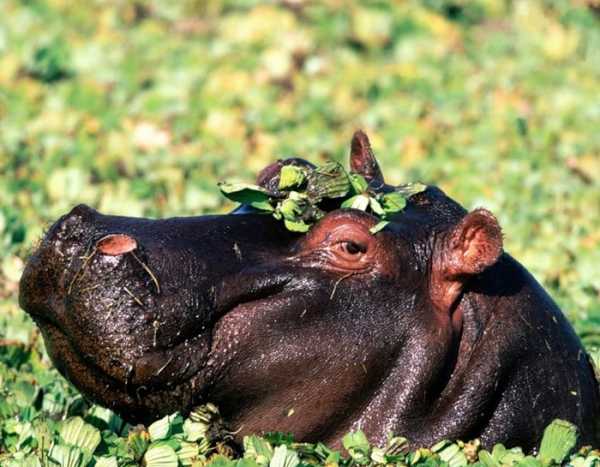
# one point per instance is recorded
(426, 329)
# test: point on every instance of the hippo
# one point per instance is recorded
(426, 329)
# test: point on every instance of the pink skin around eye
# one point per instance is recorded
(330, 241)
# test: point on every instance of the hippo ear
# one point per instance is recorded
(468, 249)
(362, 159)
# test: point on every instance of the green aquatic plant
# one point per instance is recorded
(304, 195)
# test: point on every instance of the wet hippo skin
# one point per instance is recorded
(427, 329)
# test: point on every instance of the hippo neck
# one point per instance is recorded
(427, 384)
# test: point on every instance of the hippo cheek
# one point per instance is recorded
(284, 363)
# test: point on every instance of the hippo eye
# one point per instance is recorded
(353, 248)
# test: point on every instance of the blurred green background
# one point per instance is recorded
(139, 108)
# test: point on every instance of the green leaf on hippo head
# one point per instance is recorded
(296, 225)
(376, 207)
(290, 209)
(327, 181)
(409, 189)
(378, 227)
(393, 202)
(358, 182)
(293, 206)
(360, 202)
(291, 176)
(249, 194)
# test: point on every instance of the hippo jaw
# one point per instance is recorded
(133, 320)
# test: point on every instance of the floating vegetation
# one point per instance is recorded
(305, 194)
(97, 437)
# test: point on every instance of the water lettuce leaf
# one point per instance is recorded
(305, 194)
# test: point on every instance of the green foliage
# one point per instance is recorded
(559, 440)
(138, 108)
(301, 190)
(50, 62)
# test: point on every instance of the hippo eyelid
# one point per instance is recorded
(353, 247)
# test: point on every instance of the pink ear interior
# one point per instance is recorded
(471, 246)
(116, 244)
(476, 243)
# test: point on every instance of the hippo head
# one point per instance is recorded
(416, 329)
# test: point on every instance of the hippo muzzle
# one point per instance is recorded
(129, 309)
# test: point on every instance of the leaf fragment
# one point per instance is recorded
(249, 194)
(560, 437)
(75, 432)
(360, 202)
(410, 189)
(393, 202)
(357, 445)
(291, 176)
(160, 455)
(378, 227)
(284, 457)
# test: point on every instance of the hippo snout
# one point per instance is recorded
(42, 285)
(132, 310)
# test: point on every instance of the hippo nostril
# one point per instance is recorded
(116, 244)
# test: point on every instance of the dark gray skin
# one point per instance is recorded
(426, 329)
